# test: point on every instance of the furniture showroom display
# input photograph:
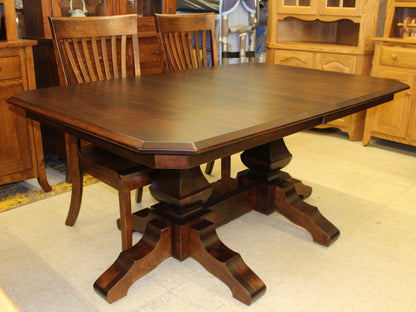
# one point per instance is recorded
(395, 57)
(177, 121)
(333, 35)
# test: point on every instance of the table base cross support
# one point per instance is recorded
(183, 224)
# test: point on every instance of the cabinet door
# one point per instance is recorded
(392, 118)
(341, 7)
(412, 129)
(15, 151)
(295, 58)
(298, 6)
(337, 62)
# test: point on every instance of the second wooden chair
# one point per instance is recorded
(92, 49)
(189, 42)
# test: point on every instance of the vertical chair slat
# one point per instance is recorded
(204, 49)
(88, 59)
(123, 56)
(198, 51)
(72, 62)
(105, 58)
(81, 64)
(114, 57)
(136, 54)
(96, 58)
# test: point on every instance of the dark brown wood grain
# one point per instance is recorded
(234, 107)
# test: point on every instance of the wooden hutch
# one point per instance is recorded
(333, 35)
(395, 57)
(21, 153)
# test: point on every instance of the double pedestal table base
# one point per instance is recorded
(183, 224)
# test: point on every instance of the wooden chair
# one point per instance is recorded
(189, 42)
(92, 49)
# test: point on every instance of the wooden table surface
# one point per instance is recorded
(196, 111)
(180, 120)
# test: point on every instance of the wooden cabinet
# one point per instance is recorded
(395, 57)
(332, 35)
(21, 153)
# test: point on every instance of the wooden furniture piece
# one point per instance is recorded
(394, 57)
(21, 153)
(36, 14)
(95, 49)
(178, 35)
(332, 35)
(175, 132)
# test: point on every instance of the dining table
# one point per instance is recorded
(175, 122)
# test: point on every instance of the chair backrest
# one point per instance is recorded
(97, 48)
(188, 40)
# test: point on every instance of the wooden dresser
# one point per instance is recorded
(332, 35)
(21, 152)
(395, 57)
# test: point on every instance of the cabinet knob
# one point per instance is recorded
(394, 56)
(408, 93)
(0, 68)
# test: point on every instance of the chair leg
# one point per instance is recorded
(77, 180)
(139, 194)
(125, 217)
(209, 167)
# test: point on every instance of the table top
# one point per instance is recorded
(192, 112)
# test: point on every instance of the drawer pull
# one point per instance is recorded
(394, 56)
(408, 93)
(0, 68)
(155, 52)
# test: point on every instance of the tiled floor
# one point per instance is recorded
(369, 193)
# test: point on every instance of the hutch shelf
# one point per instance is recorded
(332, 35)
(395, 57)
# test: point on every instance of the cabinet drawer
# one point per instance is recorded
(10, 67)
(399, 57)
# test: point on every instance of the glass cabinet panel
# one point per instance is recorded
(299, 3)
(340, 3)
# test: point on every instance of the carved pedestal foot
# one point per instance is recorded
(288, 202)
(148, 253)
(224, 263)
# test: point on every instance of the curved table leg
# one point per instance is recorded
(307, 216)
(148, 253)
(224, 263)
(278, 191)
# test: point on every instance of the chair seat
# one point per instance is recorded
(120, 165)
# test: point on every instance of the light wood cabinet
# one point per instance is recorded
(395, 57)
(333, 35)
(21, 153)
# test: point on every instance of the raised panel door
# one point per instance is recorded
(15, 151)
(336, 62)
(295, 58)
(392, 118)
